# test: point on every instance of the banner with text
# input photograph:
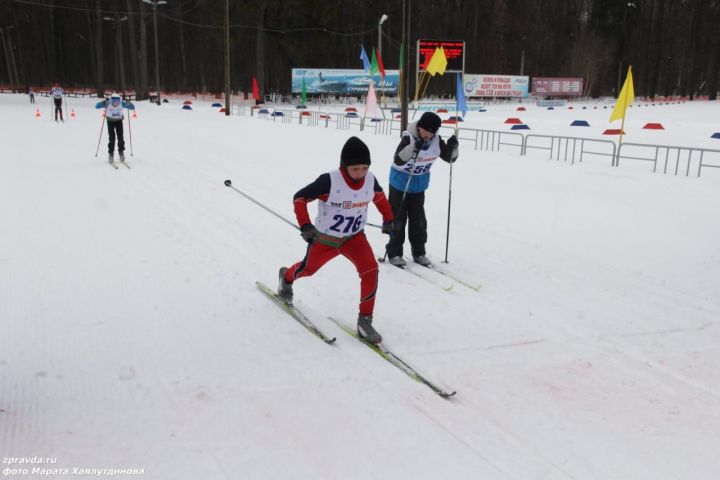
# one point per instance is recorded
(559, 87)
(495, 85)
(342, 81)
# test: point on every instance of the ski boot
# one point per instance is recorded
(122, 157)
(111, 158)
(398, 261)
(422, 260)
(285, 290)
(366, 331)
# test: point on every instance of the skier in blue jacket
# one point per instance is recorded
(114, 114)
(419, 147)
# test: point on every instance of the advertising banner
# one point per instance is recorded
(495, 85)
(343, 81)
(558, 87)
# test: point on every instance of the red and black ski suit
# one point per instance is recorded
(324, 247)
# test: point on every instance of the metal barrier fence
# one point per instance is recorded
(703, 157)
(491, 140)
(580, 147)
(567, 149)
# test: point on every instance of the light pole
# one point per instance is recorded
(155, 4)
(380, 22)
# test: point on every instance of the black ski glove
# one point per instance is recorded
(452, 144)
(388, 228)
(419, 144)
(308, 232)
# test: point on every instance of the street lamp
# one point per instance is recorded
(382, 20)
(155, 4)
(117, 24)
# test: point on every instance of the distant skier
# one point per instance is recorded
(419, 147)
(344, 195)
(57, 96)
(31, 94)
(115, 116)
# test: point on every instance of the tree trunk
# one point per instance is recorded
(657, 59)
(6, 54)
(133, 48)
(142, 89)
(260, 49)
(120, 55)
(49, 43)
(181, 41)
(99, 78)
(92, 60)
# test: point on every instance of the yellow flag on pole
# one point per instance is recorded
(626, 97)
(438, 62)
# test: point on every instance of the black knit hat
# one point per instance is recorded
(354, 152)
(429, 121)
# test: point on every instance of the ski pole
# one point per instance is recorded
(402, 202)
(447, 235)
(102, 127)
(228, 183)
(130, 132)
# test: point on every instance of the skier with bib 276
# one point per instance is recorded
(344, 195)
(419, 147)
(115, 115)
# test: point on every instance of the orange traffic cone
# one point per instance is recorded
(134, 114)
(103, 114)
(37, 112)
(72, 113)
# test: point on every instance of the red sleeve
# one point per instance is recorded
(383, 206)
(301, 212)
(318, 190)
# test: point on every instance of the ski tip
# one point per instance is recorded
(330, 341)
(447, 395)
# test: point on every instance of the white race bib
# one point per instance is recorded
(423, 162)
(345, 212)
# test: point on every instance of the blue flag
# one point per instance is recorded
(364, 58)
(460, 96)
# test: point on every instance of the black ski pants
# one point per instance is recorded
(115, 127)
(410, 211)
(58, 107)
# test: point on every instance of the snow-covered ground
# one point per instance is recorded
(133, 335)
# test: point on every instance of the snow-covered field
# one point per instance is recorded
(133, 336)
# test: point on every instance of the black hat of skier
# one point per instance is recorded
(430, 122)
(354, 152)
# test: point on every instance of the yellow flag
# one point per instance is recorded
(437, 63)
(626, 97)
